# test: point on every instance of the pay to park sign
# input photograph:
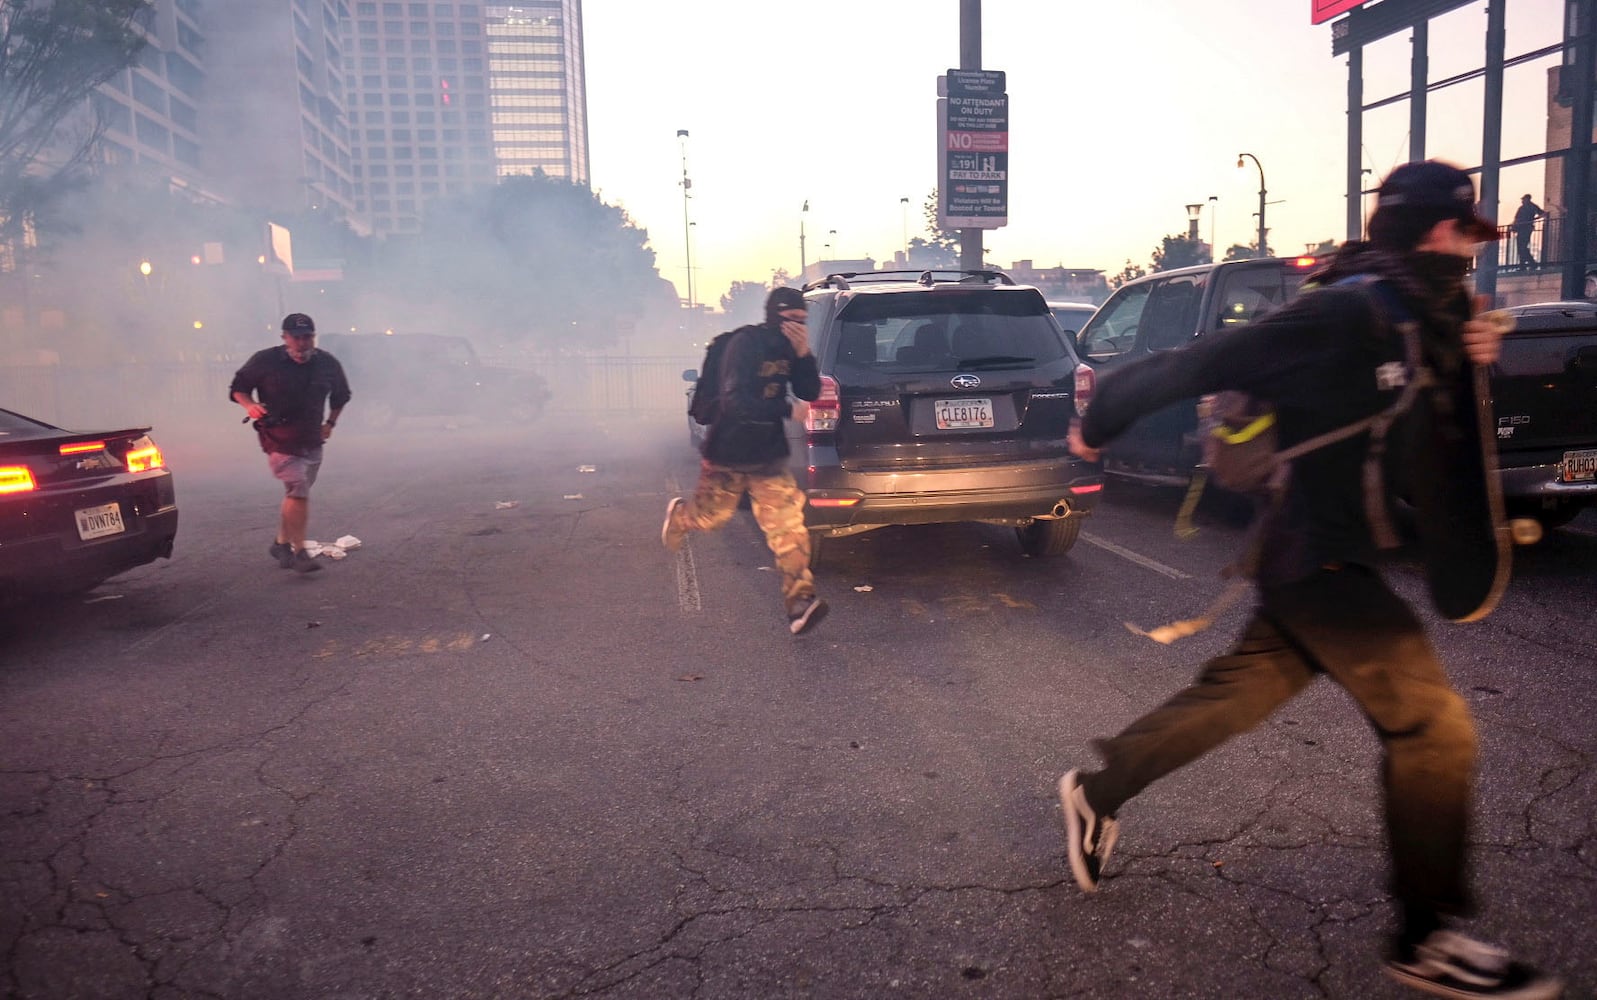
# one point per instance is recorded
(973, 150)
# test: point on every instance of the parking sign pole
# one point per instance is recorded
(970, 239)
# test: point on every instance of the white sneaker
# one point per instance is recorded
(669, 537)
(1089, 838)
(1448, 964)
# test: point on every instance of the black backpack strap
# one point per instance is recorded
(1394, 313)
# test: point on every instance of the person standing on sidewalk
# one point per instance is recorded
(745, 449)
(285, 391)
(1325, 361)
(1525, 228)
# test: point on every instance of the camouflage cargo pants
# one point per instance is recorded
(778, 508)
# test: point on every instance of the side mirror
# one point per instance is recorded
(690, 375)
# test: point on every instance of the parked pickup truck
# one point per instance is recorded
(1544, 394)
(430, 375)
(1544, 388)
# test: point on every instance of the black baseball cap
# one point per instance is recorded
(781, 299)
(1431, 187)
(299, 323)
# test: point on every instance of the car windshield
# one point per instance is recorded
(912, 333)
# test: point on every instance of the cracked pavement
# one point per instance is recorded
(510, 762)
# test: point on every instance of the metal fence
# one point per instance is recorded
(157, 394)
(1545, 246)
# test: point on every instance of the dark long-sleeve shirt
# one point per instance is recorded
(295, 396)
(757, 371)
(1324, 361)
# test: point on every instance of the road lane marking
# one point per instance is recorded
(1140, 560)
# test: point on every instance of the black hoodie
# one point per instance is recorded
(757, 370)
(1316, 361)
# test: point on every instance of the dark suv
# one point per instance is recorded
(430, 375)
(1166, 310)
(945, 396)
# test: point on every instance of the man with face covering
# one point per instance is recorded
(286, 390)
(745, 449)
(1327, 360)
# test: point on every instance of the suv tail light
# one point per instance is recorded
(826, 408)
(1086, 384)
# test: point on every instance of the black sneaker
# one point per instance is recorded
(283, 553)
(670, 535)
(808, 616)
(304, 562)
(1089, 838)
(1448, 964)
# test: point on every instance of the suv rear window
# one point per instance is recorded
(908, 333)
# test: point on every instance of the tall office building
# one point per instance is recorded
(537, 89)
(447, 97)
(241, 99)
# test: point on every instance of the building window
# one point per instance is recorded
(149, 94)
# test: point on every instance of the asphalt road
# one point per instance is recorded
(522, 751)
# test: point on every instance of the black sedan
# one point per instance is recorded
(77, 508)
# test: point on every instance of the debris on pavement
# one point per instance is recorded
(864, 588)
(506, 504)
(573, 496)
(587, 468)
(332, 550)
(102, 597)
(313, 624)
(691, 677)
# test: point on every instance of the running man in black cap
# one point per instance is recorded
(1327, 360)
(285, 391)
(745, 449)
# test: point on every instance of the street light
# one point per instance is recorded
(1214, 210)
(687, 186)
(1264, 249)
(831, 237)
(903, 210)
(1193, 211)
(804, 264)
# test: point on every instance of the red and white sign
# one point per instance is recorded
(978, 142)
(1323, 10)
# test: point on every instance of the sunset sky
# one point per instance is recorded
(1121, 112)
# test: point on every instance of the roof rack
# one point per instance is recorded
(927, 277)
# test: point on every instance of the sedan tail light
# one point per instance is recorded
(826, 408)
(144, 456)
(1086, 384)
(17, 479)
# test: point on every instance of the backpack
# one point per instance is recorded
(705, 405)
(1237, 435)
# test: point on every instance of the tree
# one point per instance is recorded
(744, 302)
(1127, 273)
(1180, 251)
(939, 247)
(1240, 252)
(533, 258)
(52, 58)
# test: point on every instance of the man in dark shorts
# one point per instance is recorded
(286, 390)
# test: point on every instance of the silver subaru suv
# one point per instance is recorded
(945, 396)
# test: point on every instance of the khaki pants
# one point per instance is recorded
(778, 508)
